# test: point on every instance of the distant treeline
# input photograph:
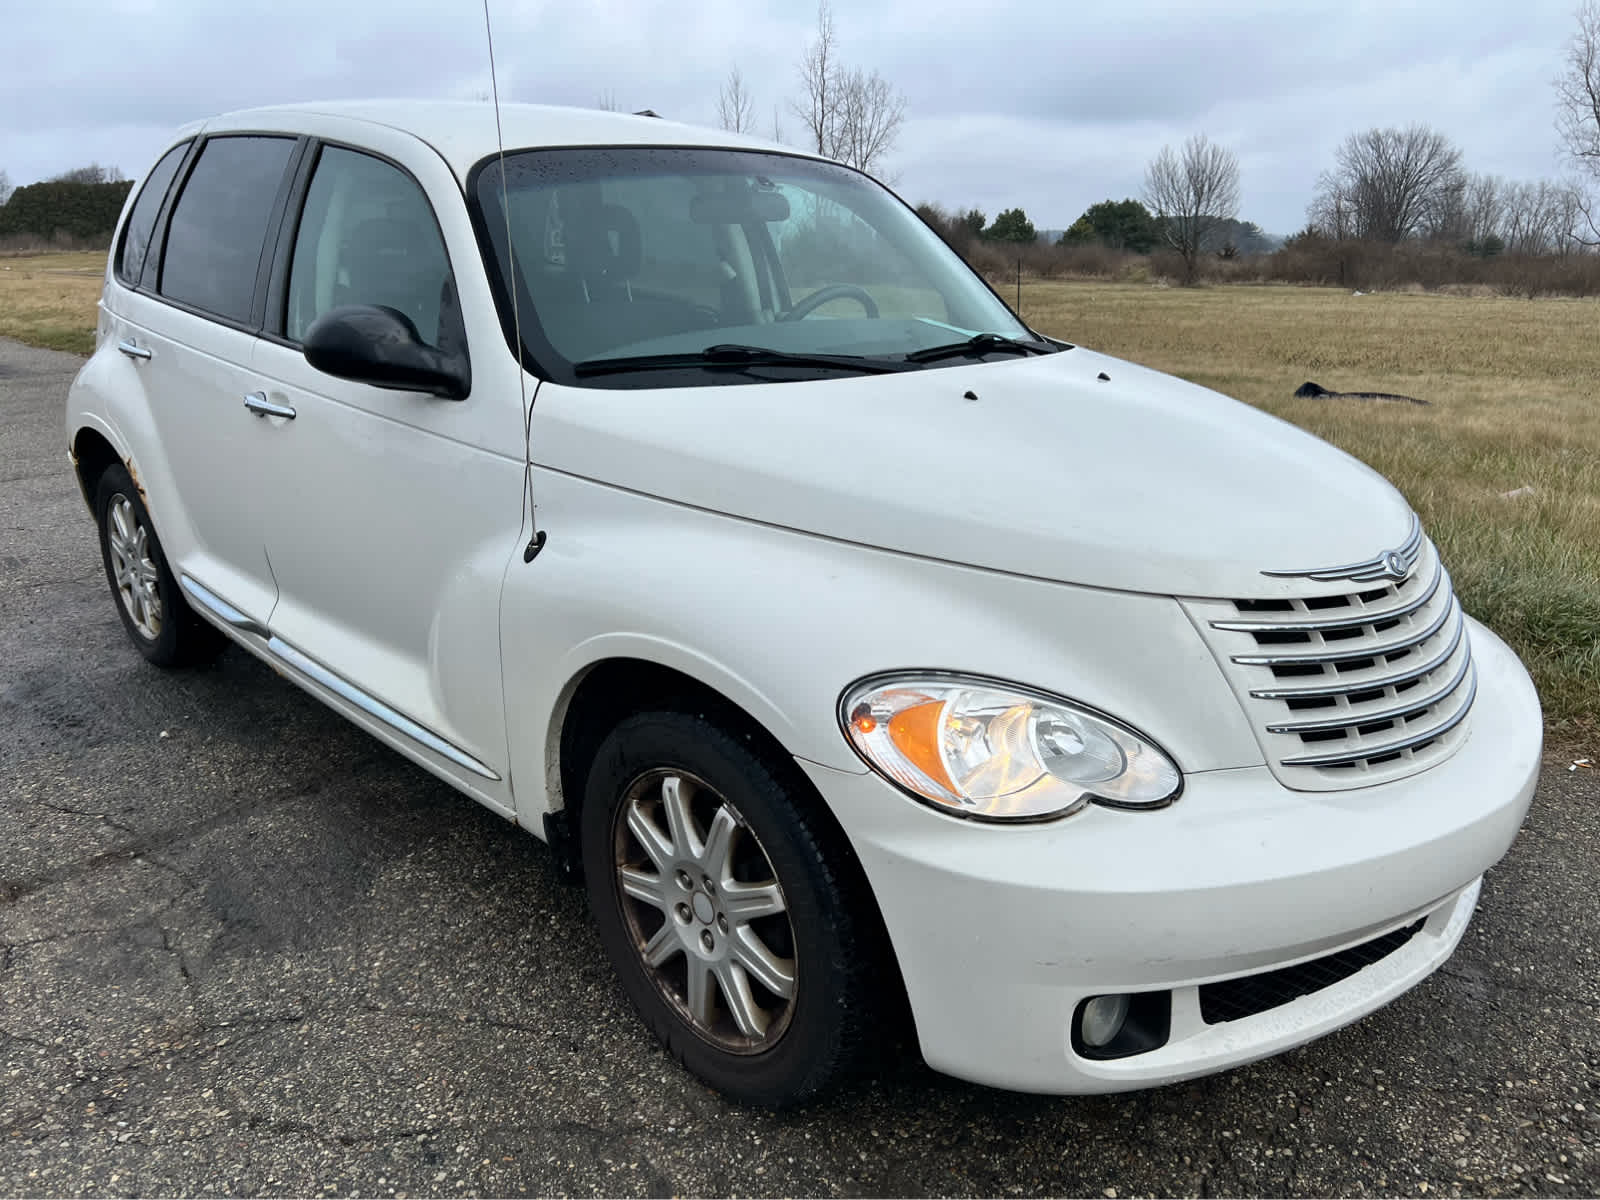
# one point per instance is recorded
(1120, 241)
(63, 208)
(1327, 262)
(1114, 224)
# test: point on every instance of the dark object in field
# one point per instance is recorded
(1315, 391)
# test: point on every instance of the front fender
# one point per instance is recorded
(781, 622)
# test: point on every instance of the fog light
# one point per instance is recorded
(1103, 1018)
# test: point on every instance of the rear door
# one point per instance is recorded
(394, 514)
(189, 328)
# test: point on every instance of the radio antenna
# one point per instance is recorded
(536, 541)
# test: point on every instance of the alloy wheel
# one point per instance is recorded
(136, 577)
(705, 911)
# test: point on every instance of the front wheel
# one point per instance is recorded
(722, 902)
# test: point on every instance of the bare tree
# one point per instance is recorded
(1571, 216)
(850, 115)
(1190, 192)
(1485, 207)
(1332, 209)
(1485, 214)
(735, 107)
(1578, 92)
(1386, 184)
(1445, 217)
(1541, 218)
(870, 114)
(777, 127)
(1578, 110)
(1467, 210)
(819, 70)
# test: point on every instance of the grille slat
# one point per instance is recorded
(1346, 687)
(1373, 649)
(1367, 617)
(1385, 749)
(1369, 685)
(1390, 714)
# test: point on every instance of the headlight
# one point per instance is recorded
(989, 750)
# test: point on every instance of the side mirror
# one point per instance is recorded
(380, 346)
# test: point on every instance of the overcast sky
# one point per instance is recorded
(1048, 104)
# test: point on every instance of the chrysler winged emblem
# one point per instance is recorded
(1393, 564)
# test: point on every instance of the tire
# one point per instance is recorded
(761, 844)
(158, 619)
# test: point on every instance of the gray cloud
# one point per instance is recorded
(1047, 105)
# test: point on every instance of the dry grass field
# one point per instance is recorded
(49, 299)
(1513, 386)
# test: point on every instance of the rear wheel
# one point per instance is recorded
(153, 611)
(738, 933)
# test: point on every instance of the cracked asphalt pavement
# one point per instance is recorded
(244, 948)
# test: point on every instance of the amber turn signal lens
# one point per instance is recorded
(915, 733)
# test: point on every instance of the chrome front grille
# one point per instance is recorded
(1344, 689)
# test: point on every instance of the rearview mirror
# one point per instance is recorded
(736, 208)
(377, 345)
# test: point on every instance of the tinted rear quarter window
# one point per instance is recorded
(142, 221)
(220, 224)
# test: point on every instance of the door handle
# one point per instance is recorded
(258, 403)
(132, 349)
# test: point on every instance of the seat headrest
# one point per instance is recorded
(603, 244)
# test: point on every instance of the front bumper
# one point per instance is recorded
(1001, 931)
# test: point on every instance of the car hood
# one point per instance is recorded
(1074, 467)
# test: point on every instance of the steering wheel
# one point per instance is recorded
(834, 291)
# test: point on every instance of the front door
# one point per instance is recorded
(393, 514)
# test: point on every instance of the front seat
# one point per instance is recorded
(602, 309)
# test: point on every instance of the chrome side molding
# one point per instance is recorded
(221, 609)
(309, 667)
(374, 707)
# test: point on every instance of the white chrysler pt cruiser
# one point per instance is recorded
(884, 667)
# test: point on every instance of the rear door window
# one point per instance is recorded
(219, 225)
(142, 221)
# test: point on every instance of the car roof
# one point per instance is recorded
(464, 131)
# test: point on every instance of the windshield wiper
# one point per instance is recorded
(730, 354)
(978, 343)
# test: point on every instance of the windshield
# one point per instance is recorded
(664, 257)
